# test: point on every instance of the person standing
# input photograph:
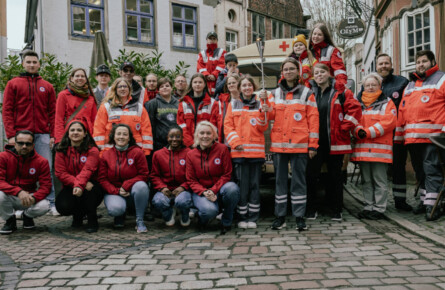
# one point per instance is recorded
(373, 148)
(25, 181)
(422, 115)
(151, 85)
(127, 71)
(103, 77)
(211, 61)
(180, 86)
(229, 93)
(29, 103)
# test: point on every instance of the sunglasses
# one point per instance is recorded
(126, 70)
(27, 144)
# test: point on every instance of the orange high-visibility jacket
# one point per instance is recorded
(133, 114)
(296, 120)
(422, 109)
(244, 125)
(378, 120)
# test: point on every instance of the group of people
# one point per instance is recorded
(201, 148)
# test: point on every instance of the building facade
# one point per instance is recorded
(177, 28)
(405, 26)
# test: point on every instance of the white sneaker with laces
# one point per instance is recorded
(242, 225)
(251, 225)
(171, 222)
(54, 211)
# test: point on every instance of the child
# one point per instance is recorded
(304, 57)
(231, 69)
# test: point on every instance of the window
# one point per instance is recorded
(231, 40)
(87, 17)
(258, 28)
(231, 15)
(277, 29)
(184, 26)
(139, 21)
(293, 31)
(416, 33)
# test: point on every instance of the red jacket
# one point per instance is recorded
(209, 169)
(331, 56)
(18, 173)
(345, 113)
(168, 169)
(67, 103)
(211, 62)
(29, 104)
(75, 169)
(188, 117)
(422, 110)
(149, 95)
(122, 169)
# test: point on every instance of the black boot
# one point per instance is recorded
(10, 226)
(419, 209)
(92, 225)
(400, 203)
(432, 217)
(77, 221)
(225, 229)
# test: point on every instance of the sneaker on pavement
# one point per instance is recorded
(364, 214)
(10, 226)
(251, 225)
(242, 225)
(119, 222)
(185, 220)
(301, 224)
(53, 211)
(338, 217)
(432, 217)
(18, 214)
(279, 223)
(312, 215)
(419, 209)
(140, 226)
(400, 203)
(171, 222)
(28, 223)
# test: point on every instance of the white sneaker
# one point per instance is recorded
(251, 225)
(191, 213)
(219, 217)
(19, 214)
(171, 222)
(54, 211)
(186, 223)
(242, 225)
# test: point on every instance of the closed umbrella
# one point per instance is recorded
(101, 52)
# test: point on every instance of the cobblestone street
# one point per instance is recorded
(351, 254)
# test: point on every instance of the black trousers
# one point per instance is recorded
(67, 204)
(334, 185)
(399, 171)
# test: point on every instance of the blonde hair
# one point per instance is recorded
(112, 94)
(375, 76)
(199, 127)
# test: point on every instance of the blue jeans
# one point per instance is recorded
(228, 196)
(41, 142)
(182, 202)
(117, 205)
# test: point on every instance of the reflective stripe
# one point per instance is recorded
(312, 104)
(231, 138)
(423, 126)
(421, 135)
(398, 138)
(341, 147)
(244, 110)
(373, 145)
(254, 145)
(182, 126)
(372, 131)
(122, 113)
(230, 134)
(373, 112)
(313, 135)
(147, 138)
(327, 57)
(289, 145)
(251, 205)
(100, 146)
(380, 128)
(99, 138)
(337, 102)
(279, 197)
(399, 129)
(204, 56)
(254, 209)
(339, 72)
(218, 68)
(433, 86)
(202, 70)
(139, 144)
(248, 150)
(290, 102)
(147, 146)
(109, 146)
(372, 155)
(351, 119)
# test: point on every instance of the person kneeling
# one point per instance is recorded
(21, 168)
(77, 161)
(168, 179)
(123, 174)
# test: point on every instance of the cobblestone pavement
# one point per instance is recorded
(351, 254)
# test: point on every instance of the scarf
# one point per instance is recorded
(121, 148)
(211, 47)
(369, 98)
(83, 92)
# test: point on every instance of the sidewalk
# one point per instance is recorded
(416, 224)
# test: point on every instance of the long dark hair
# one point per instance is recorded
(131, 142)
(327, 35)
(86, 144)
(190, 91)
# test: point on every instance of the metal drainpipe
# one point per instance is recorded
(42, 45)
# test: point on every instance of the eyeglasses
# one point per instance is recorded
(122, 87)
(27, 144)
(128, 70)
(371, 86)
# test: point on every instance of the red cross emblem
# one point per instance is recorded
(284, 46)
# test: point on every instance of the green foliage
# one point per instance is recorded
(56, 73)
(9, 68)
(144, 64)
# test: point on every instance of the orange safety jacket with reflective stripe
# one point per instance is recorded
(211, 62)
(187, 117)
(422, 109)
(133, 114)
(296, 120)
(378, 120)
(244, 125)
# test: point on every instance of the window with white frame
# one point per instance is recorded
(87, 17)
(139, 21)
(416, 33)
(184, 26)
(277, 29)
(231, 40)
(258, 27)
